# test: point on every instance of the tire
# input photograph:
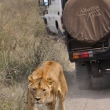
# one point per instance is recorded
(95, 69)
(83, 77)
(48, 31)
(59, 33)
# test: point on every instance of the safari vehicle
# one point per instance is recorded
(52, 16)
(87, 31)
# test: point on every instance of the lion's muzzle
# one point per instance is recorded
(38, 100)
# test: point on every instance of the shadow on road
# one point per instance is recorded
(100, 92)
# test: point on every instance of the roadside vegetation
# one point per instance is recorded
(24, 45)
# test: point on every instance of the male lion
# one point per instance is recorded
(47, 85)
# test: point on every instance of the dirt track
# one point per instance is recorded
(97, 99)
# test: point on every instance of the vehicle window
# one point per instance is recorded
(46, 2)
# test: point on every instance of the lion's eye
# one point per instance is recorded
(44, 90)
(34, 89)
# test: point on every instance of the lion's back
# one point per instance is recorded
(58, 76)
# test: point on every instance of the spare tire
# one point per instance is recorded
(87, 20)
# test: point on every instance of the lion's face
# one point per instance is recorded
(40, 91)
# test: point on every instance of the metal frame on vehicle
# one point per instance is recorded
(99, 50)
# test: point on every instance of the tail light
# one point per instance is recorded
(78, 55)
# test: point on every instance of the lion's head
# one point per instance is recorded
(40, 89)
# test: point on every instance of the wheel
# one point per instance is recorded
(59, 33)
(100, 78)
(95, 69)
(47, 29)
(83, 77)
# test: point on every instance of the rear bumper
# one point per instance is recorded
(100, 50)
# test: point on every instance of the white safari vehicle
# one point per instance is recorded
(53, 16)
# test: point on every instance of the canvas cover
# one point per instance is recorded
(87, 20)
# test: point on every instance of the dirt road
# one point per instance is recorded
(97, 99)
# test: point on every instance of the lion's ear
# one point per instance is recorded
(30, 79)
(49, 81)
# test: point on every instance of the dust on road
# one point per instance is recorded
(97, 99)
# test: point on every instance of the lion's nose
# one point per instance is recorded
(37, 99)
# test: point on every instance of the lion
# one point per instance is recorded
(47, 85)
